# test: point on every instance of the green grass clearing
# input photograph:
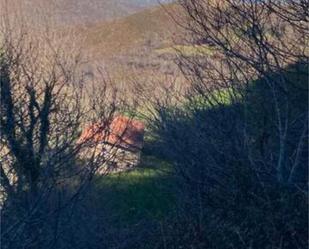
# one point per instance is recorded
(145, 192)
(218, 97)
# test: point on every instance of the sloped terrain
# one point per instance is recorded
(129, 46)
(122, 36)
(151, 28)
(70, 12)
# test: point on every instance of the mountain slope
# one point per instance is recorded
(150, 28)
(78, 11)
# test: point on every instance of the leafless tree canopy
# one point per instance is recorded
(46, 101)
(238, 138)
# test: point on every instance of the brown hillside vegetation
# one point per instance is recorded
(153, 27)
(70, 12)
(128, 47)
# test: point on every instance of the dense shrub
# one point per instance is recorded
(225, 158)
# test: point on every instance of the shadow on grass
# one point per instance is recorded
(143, 193)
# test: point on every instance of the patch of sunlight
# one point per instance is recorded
(217, 97)
(187, 50)
(147, 191)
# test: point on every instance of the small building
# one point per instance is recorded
(119, 143)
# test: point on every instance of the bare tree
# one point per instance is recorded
(238, 138)
(46, 101)
(251, 40)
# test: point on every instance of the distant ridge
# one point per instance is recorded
(72, 12)
(152, 27)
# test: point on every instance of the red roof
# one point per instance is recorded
(122, 131)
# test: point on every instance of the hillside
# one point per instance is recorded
(151, 28)
(72, 12)
(128, 46)
(120, 35)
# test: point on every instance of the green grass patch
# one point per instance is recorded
(187, 50)
(145, 192)
(217, 97)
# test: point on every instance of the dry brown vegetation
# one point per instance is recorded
(77, 12)
(151, 28)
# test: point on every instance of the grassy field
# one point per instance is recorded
(145, 192)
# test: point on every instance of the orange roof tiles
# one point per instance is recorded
(122, 131)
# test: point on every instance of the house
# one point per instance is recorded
(119, 143)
